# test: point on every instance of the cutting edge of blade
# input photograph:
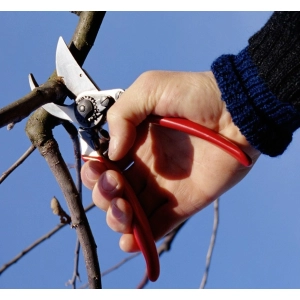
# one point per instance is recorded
(73, 75)
(62, 112)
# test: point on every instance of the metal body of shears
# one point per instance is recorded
(88, 112)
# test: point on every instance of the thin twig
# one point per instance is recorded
(164, 247)
(120, 264)
(212, 243)
(17, 163)
(37, 242)
(73, 132)
(76, 275)
(31, 247)
(116, 266)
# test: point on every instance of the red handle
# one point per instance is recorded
(203, 133)
(141, 228)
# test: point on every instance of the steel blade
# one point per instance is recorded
(73, 75)
(62, 112)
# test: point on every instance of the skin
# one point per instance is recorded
(174, 175)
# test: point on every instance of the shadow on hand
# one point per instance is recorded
(162, 157)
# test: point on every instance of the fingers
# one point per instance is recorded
(90, 173)
(109, 186)
(128, 243)
(135, 104)
(107, 189)
(119, 215)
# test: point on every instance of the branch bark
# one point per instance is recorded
(211, 244)
(39, 130)
(54, 90)
(17, 163)
(71, 129)
(51, 91)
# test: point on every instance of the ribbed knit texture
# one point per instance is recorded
(275, 50)
(266, 122)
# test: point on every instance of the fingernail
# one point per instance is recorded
(108, 183)
(117, 213)
(92, 173)
(112, 147)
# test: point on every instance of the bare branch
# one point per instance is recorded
(73, 132)
(116, 266)
(39, 130)
(85, 34)
(76, 275)
(37, 242)
(71, 129)
(54, 90)
(212, 243)
(164, 247)
(51, 91)
(17, 163)
(31, 247)
(120, 264)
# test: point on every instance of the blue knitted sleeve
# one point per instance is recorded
(266, 122)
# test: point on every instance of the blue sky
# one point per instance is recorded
(258, 241)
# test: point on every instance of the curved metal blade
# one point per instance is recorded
(62, 112)
(74, 77)
(65, 112)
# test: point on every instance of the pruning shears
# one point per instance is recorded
(88, 113)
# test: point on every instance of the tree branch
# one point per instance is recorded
(17, 163)
(75, 276)
(85, 34)
(51, 91)
(119, 264)
(71, 129)
(39, 130)
(30, 247)
(49, 150)
(73, 132)
(37, 242)
(212, 243)
(54, 90)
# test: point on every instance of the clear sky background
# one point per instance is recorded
(258, 241)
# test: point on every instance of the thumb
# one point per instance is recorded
(133, 106)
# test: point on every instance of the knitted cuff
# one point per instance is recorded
(266, 122)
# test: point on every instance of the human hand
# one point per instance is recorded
(174, 175)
